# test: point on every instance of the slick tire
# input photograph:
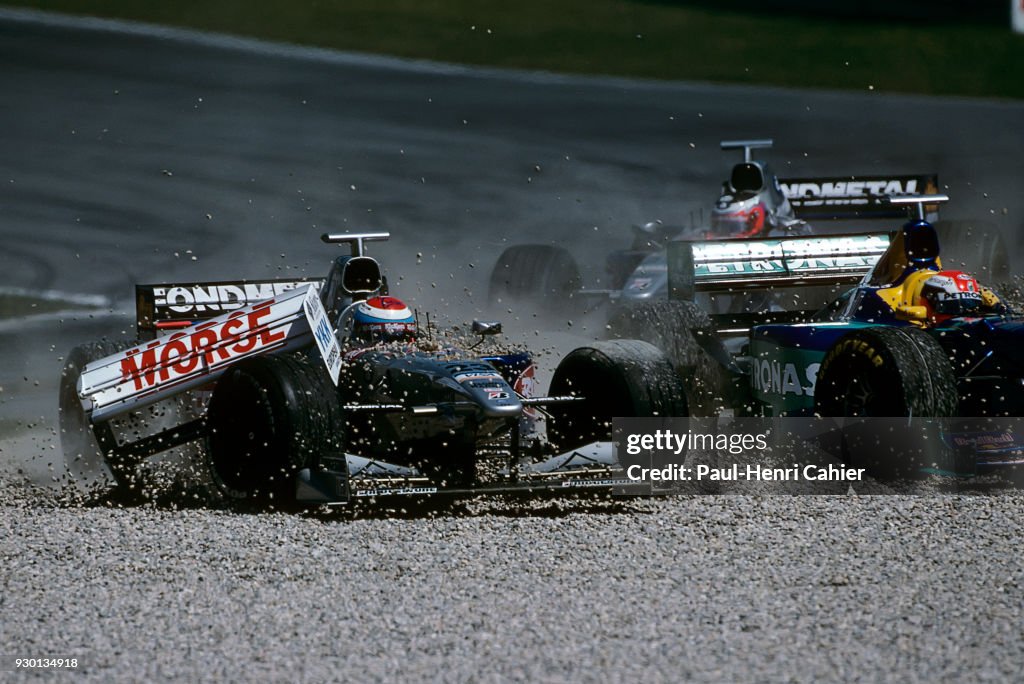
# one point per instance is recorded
(976, 247)
(543, 276)
(677, 329)
(878, 373)
(268, 418)
(85, 460)
(616, 378)
(886, 372)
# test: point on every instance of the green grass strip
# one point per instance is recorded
(728, 42)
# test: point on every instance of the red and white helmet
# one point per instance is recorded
(383, 319)
(738, 218)
(948, 294)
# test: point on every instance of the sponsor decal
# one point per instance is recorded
(526, 386)
(184, 299)
(192, 356)
(395, 492)
(323, 333)
(966, 296)
(207, 344)
(857, 347)
(596, 483)
(774, 377)
(987, 442)
(768, 257)
(469, 376)
(830, 193)
(495, 394)
(526, 383)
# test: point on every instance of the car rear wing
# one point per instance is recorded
(739, 265)
(851, 197)
(160, 308)
(200, 353)
(164, 308)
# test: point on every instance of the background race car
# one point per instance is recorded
(754, 202)
(911, 339)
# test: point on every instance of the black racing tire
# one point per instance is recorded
(85, 460)
(616, 378)
(886, 372)
(877, 373)
(544, 276)
(976, 247)
(268, 418)
(675, 327)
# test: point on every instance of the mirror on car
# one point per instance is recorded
(487, 327)
(361, 276)
(747, 177)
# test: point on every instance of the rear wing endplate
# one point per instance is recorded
(850, 197)
(730, 265)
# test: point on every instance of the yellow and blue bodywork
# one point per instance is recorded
(785, 358)
(781, 356)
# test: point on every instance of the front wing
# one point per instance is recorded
(347, 478)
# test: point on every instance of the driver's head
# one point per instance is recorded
(732, 218)
(948, 294)
(383, 319)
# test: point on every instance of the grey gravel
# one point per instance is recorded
(709, 588)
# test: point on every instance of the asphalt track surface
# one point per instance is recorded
(152, 156)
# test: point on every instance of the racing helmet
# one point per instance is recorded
(948, 294)
(383, 319)
(733, 217)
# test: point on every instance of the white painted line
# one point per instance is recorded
(96, 301)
